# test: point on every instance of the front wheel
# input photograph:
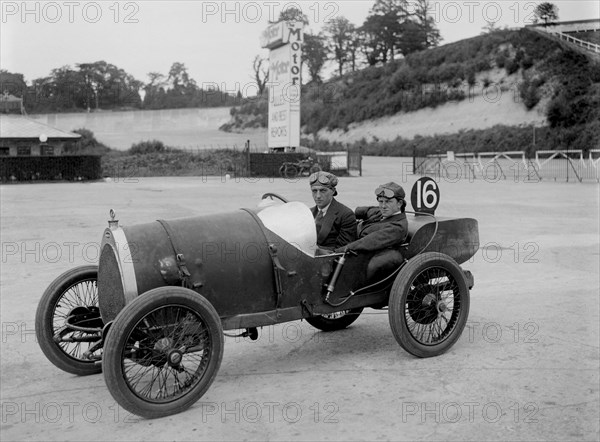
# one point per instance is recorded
(163, 352)
(429, 304)
(335, 321)
(68, 324)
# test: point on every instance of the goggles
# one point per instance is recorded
(385, 192)
(321, 179)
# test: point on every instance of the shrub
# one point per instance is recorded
(87, 144)
(501, 58)
(529, 92)
(145, 147)
(511, 66)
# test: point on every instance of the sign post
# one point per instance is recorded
(284, 40)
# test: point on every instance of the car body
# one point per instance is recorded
(153, 313)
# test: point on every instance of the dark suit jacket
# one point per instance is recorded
(338, 227)
(387, 233)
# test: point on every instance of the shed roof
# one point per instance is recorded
(19, 126)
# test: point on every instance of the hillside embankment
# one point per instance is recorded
(493, 88)
(195, 128)
(484, 107)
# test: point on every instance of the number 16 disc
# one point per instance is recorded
(425, 195)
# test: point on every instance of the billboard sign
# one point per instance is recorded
(284, 39)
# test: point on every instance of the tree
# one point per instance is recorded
(293, 14)
(261, 73)
(385, 22)
(182, 91)
(545, 11)
(13, 83)
(64, 89)
(155, 91)
(489, 28)
(314, 54)
(431, 33)
(108, 86)
(374, 38)
(414, 38)
(339, 32)
(354, 47)
(93, 75)
(179, 78)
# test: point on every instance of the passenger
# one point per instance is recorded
(385, 227)
(335, 223)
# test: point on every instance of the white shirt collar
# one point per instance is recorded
(393, 214)
(324, 209)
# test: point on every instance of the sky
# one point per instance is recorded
(216, 40)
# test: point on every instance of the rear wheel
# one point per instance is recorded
(68, 323)
(335, 321)
(429, 304)
(163, 352)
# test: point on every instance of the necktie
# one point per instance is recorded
(319, 221)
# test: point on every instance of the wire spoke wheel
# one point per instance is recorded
(432, 306)
(68, 324)
(167, 353)
(163, 352)
(429, 304)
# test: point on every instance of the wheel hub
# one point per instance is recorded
(174, 358)
(423, 305)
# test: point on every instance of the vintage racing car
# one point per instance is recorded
(151, 315)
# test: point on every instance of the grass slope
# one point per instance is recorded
(560, 82)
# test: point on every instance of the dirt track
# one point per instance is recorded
(526, 367)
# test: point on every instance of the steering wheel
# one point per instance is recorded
(273, 196)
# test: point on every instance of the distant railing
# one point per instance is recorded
(560, 29)
(585, 44)
(548, 165)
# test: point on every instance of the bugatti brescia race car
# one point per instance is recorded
(153, 313)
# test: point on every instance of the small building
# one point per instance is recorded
(22, 136)
(33, 151)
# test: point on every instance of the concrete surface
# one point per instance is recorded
(187, 128)
(525, 368)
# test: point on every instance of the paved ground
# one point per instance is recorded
(526, 367)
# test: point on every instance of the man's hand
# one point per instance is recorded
(370, 214)
(373, 215)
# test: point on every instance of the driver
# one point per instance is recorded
(335, 223)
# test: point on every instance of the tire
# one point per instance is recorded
(334, 321)
(163, 352)
(429, 305)
(73, 289)
(290, 171)
(282, 171)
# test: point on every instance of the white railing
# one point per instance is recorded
(548, 165)
(585, 44)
